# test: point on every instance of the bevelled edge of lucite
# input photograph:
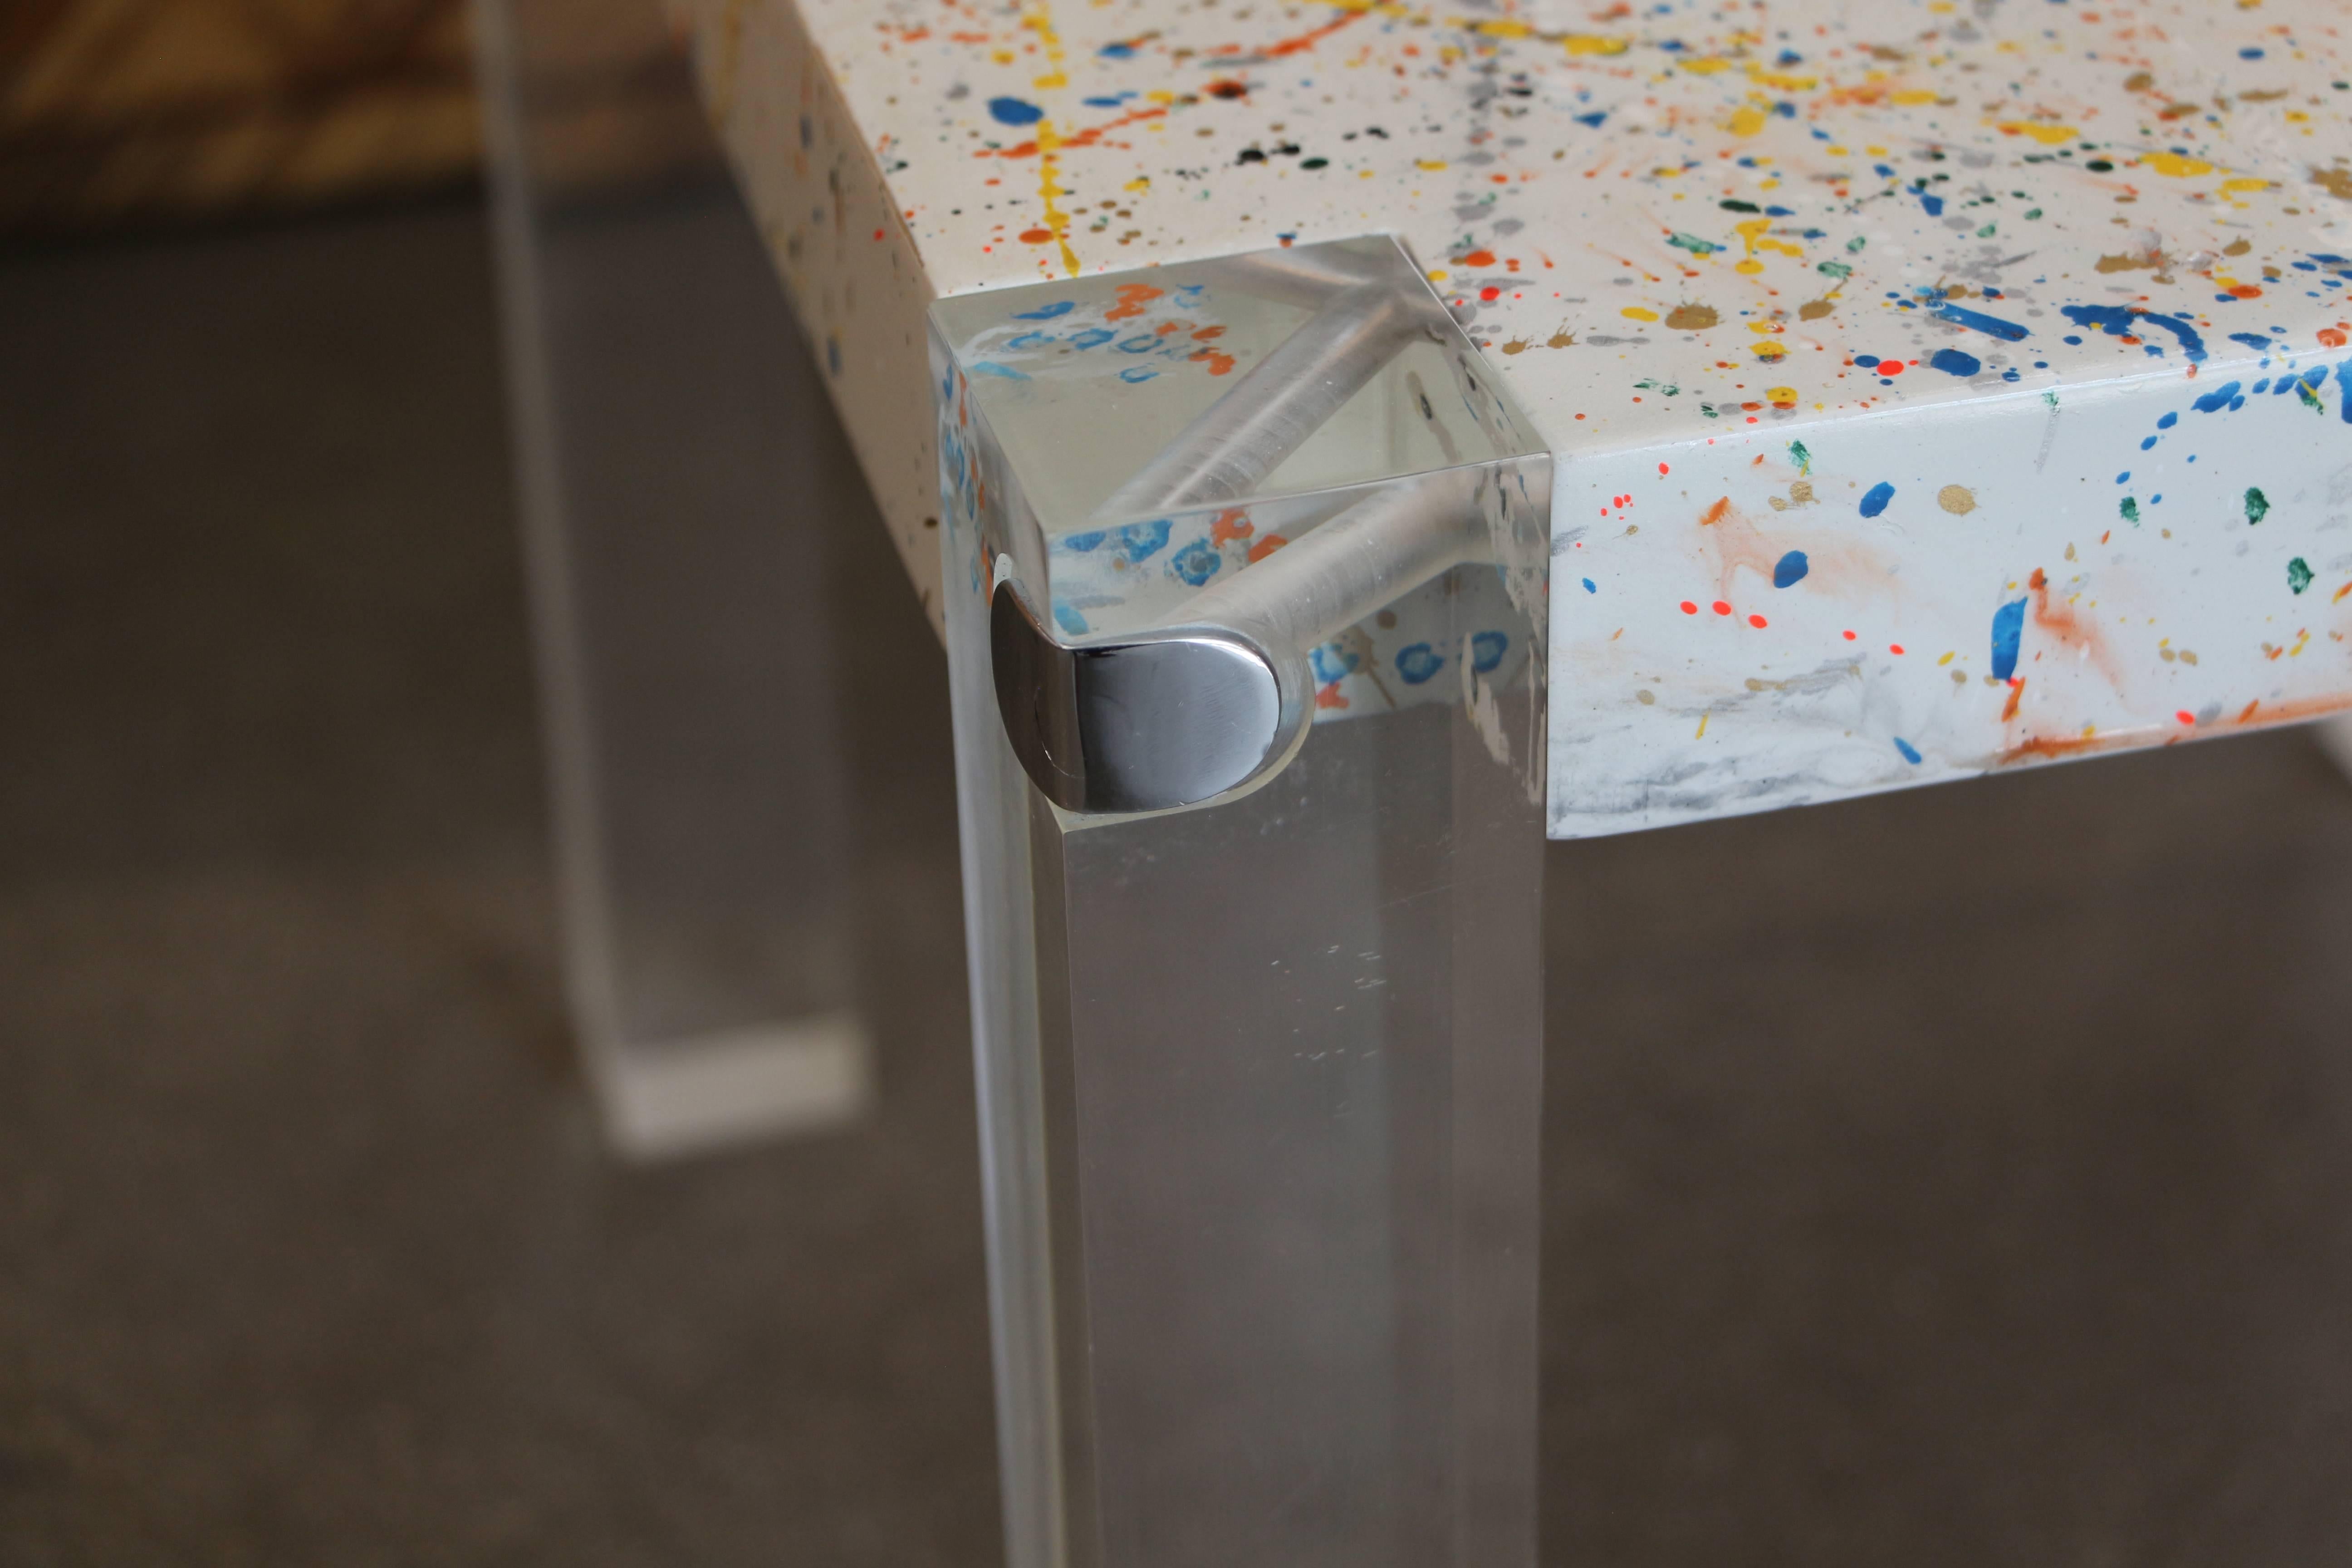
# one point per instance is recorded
(1210, 497)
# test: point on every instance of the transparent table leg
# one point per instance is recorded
(1259, 1093)
(2335, 737)
(677, 464)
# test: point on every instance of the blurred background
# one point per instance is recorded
(1955, 1177)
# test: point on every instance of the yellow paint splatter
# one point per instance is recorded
(2246, 185)
(1049, 185)
(1636, 313)
(2174, 166)
(1781, 79)
(1593, 43)
(1039, 19)
(1911, 96)
(1746, 121)
(1429, 163)
(2048, 135)
(1707, 66)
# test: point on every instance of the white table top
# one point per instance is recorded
(1898, 291)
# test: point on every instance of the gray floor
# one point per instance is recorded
(1958, 1178)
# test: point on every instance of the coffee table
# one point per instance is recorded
(1343, 443)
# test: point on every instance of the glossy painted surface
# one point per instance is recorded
(1883, 232)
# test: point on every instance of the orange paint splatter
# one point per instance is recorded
(2016, 695)
(1208, 334)
(2069, 629)
(1310, 38)
(1218, 361)
(1133, 297)
(1329, 696)
(1086, 138)
(1036, 236)
(1267, 546)
(1234, 524)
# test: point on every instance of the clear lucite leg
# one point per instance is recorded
(2335, 738)
(1259, 1078)
(677, 466)
(1259, 1094)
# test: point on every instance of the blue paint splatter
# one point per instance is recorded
(1934, 204)
(1910, 753)
(1046, 312)
(1138, 344)
(1133, 543)
(1592, 119)
(2168, 422)
(1067, 617)
(1868, 362)
(2145, 442)
(1196, 563)
(1014, 111)
(990, 367)
(2122, 321)
(2251, 340)
(1588, 585)
(1333, 661)
(1136, 372)
(1976, 319)
(2217, 399)
(1952, 362)
(1874, 499)
(1117, 51)
(2007, 631)
(1093, 337)
(2344, 389)
(1418, 663)
(1486, 650)
(1791, 569)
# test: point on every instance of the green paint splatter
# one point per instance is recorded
(2310, 398)
(1837, 269)
(1805, 459)
(2258, 505)
(2130, 510)
(2298, 574)
(1985, 233)
(1693, 243)
(2034, 212)
(2051, 398)
(1856, 243)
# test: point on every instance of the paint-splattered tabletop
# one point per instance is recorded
(1803, 287)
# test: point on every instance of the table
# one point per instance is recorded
(1344, 443)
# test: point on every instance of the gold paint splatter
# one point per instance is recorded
(1814, 310)
(2237, 247)
(1692, 317)
(2335, 181)
(1643, 697)
(1801, 492)
(1561, 340)
(1957, 499)
(2131, 263)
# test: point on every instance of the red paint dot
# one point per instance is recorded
(1894, 648)
(1662, 469)
(1890, 367)
(1036, 236)
(1849, 636)
(2186, 716)
(1689, 609)
(1757, 621)
(877, 233)
(1490, 292)
(1721, 608)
